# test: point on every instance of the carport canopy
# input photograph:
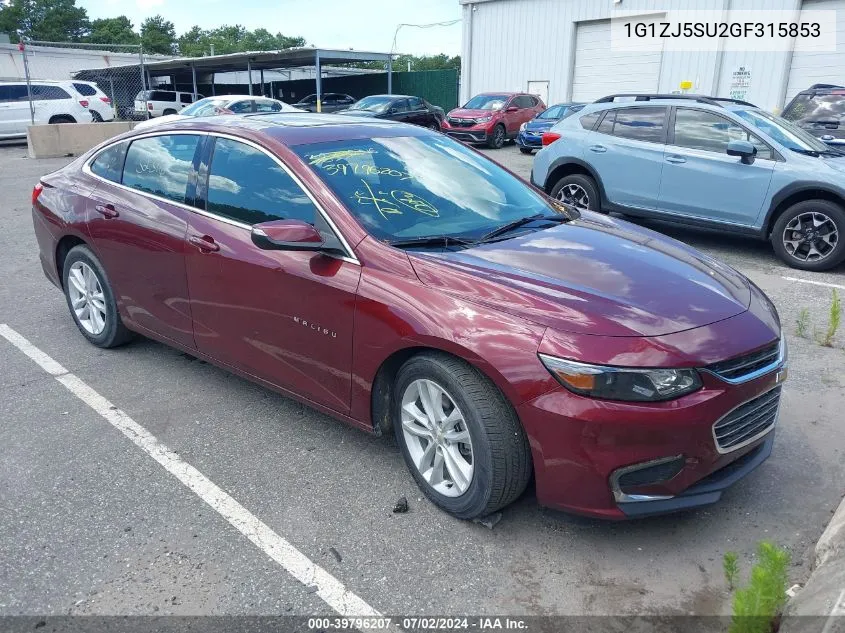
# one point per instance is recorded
(304, 57)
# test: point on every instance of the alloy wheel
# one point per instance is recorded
(499, 137)
(437, 438)
(575, 195)
(810, 237)
(86, 298)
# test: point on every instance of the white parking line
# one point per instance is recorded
(330, 589)
(815, 283)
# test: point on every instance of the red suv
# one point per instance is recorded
(493, 117)
(393, 278)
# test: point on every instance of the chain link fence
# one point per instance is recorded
(70, 81)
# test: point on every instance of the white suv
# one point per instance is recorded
(52, 101)
(153, 103)
(100, 105)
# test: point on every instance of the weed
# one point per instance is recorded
(756, 605)
(731, 567)
(834, 320)
(802, 324)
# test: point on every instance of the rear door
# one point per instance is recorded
(700, 180)
(283, 316)
(14, 110)
(418, 113)
(626, 151)
(137, 221)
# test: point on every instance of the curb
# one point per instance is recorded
(832, 539)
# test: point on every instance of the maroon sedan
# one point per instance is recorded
(393, 278)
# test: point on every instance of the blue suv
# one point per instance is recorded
(712, 162)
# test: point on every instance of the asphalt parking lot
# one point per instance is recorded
(91, 524)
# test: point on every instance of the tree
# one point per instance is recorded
(117, 30)
(48, 20)
(158, 36)
(233, 39)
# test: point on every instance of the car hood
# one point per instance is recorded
(540, 125)
(159, 120)
(461, 113)
(595, 275)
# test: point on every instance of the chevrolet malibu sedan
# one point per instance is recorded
(393, 278)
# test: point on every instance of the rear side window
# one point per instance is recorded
(186, 98)
(246, 185)
(84, 89)
(606, 125)
(588, 121)
(268, 106)
(41, 92)
(416, 103)
(109, 162)
(161, 165)
(640, 124)
(400, 105)
(241, 107)
(162, 95)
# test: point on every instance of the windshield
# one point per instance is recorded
(412, 187)
(816, 108)
(372, 104)
(555, 112)
(206, 107)
(486, 102)
(787, 134)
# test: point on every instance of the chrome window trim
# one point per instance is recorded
(778, 363)
(350, 256)
(759, 435)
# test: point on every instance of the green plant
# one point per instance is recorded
(756, 605)
(803, 322)
(833, 322)
(731, 567)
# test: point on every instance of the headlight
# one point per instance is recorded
(523, 126)
(622, 383)
(484, 119)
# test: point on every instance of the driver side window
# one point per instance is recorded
(697, 129)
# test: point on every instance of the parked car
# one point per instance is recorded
(403, 108)
(330, 102)
(531, 133)
(705, 161)
(153, 103)
(492, 118)
(52, 102)
(494, 340)
(226, 104)
(819, 110)
(99, 103)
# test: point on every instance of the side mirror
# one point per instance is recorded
(512, 109)
(745, 150)
(287, 235)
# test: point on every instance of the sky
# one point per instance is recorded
(367, 25)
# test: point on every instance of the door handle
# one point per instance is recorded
(676, 159)
(598, 149)
(107, 211)
(205, 243)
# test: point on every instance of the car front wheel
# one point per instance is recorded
(91, 300)
(809, 235)
(459, 436)
(497, 138)
(579, 191)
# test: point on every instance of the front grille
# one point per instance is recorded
(747, 422)
(741, 366)
(462, 122)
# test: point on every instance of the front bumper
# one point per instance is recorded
(475, 134)
(530, 140)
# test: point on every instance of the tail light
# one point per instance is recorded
(83, 103)
(36, 191)
(105, 99)
(549, 138)
(149, 106)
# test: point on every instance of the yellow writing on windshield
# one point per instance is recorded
(391, 202)
(343, 154)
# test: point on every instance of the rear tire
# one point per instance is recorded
(62, 118)
(90, 288)
(497, 138)
(487, 441)
(97, 118)
(810, 235)
(526, 150)
(578, 190)
(168, 112)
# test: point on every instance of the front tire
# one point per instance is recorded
(579, 191)
(810, 235)
(169, 111)
(91, 300)
(459, 436)
(497, 138)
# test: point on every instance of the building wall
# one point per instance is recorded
(507, 43)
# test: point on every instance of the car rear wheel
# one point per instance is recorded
(810, 235)
(578, 190)
(526, 150)
(459, 436)
(62, 118)
(497, 138)
(169, 111)
(91, 300)
(97, 118)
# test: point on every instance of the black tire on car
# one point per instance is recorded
(497, 446)
(169, 111)
(96, 116)
(810, 235)
(526, 150)
(497, 138)
(579, 190)
(82, 259)
(62, 118)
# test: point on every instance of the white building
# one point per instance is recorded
(561, 49)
